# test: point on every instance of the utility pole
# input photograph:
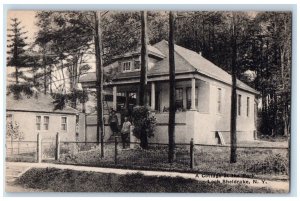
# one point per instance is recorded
(99, 82)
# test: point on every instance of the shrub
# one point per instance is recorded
(13, 131)
(143, 121)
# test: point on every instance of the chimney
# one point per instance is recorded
(200, 53)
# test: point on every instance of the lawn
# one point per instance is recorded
(250, 161)
(22, 157)
(58, 180)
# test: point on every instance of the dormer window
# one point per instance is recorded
(126, 66)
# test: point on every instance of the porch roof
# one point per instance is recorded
(186, 62)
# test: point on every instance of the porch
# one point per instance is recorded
(191, 94)
(192, 105)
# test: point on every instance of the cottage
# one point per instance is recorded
(203, 95)
(36, 114)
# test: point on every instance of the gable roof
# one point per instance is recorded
(151, 51)
(186, 61)
(162, 67)
(36, 103)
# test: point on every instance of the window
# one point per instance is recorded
(9, 118)
(179, 99)
(64, 123)
(137, 65)
(219, 100)
(248, 105)
(121, 94)
(38, 122)
(239, 104)
(126, 66)
(46, 122)
(188, 97)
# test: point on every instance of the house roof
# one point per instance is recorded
(151, 51)
(186, 61)
(36, 103)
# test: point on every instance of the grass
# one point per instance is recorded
(22, 157)
(207, 159)
(58, 180)
(252, 161)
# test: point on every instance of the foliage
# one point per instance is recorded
(13, 131)
(122, 32)
(19, 89)
(144, 122)
(62, 100)
(64, 40)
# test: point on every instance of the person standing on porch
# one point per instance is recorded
(113, 122)
(125, 131)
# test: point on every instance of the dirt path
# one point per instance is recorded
(19, 168)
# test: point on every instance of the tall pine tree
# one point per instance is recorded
(16, 47)
(18, 59)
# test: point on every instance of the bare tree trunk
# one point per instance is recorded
(233, 94)
(99, 75)
(172, 104)
(17, 75)
(144, 59)
(63, 75)
(45, 73)
(16, 64)
(51, 80)
(143, 77)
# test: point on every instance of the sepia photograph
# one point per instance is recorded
(148, 101)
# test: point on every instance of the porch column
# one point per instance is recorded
(152, 96)
(193, 94)
(114, 97)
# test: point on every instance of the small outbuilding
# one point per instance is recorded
(36, 114)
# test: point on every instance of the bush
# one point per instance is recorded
(144, 122)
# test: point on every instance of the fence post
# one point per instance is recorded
(116, 150)
(192, 153)
(255, 134)
(57, 148)
(39, 148)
